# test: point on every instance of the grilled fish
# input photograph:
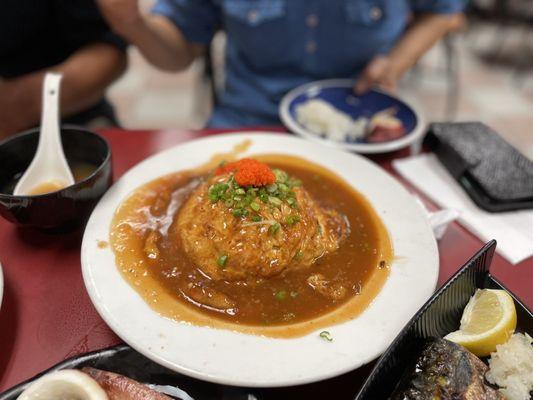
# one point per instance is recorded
(447, 371)
(118, 387)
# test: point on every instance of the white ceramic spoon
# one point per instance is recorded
(49, 164)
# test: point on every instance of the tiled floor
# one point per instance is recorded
(490, 91)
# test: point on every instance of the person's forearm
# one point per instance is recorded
(160, 42)
(86, 75)
(425, 31)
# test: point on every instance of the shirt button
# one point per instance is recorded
(312, 20)
(253, 15)
(376, 13)
(310, 47)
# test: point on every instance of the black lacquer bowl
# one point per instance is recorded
(67, 208)
(438, 317)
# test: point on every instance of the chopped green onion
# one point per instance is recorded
(256, 218)
(283, 187)
(274, 228)
(248, 199)
(213, 197)
(295, 183)
(242, 200)
(281, 176)
(238, 212)
(326, 336)
(298, 254)
(294, 294)
(292, 219)
(222, 261)
(275, 200)
(221, 187)
(281, 295)
(272, 188)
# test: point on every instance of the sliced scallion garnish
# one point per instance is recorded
(274, 228)
(292, 219)
(274, 200)
(245, 200)
(222, 261)
(281, 295)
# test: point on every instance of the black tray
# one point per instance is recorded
(124, 360)
(438, 317)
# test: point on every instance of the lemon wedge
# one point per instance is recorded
(65, 384)
(489, 319)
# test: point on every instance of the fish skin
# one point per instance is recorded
(119, 387)
(447, 371)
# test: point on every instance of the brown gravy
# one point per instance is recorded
(80, 172)
(361, 263)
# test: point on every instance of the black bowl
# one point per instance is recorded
(67, 208)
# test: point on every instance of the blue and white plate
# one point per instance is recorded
(339, 93)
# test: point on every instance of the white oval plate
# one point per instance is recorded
(232, 358)
(314, 89)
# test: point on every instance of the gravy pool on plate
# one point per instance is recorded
(277, 247)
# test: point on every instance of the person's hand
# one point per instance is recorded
(379, 72)
(121, 15)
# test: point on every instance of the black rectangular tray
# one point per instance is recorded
(439, 316)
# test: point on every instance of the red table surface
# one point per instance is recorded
(47, 316)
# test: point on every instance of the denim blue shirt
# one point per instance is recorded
(276, 45)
